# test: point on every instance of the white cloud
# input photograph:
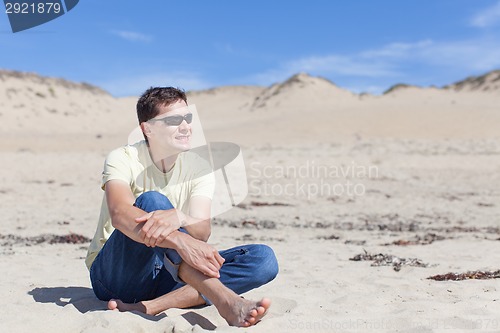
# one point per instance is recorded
(342, 65)
(132, 36)
(396, 50)
(487, 17)
(471, 55)
(330, 65)
(370, 89)
(394, 60)
(224, 48)
(136, 85)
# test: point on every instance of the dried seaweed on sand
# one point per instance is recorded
(470, 275)
(426, 239)
(381, 259)
(8, 240)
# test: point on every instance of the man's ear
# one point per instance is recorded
(146, 130)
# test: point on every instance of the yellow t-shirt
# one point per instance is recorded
(191, 176)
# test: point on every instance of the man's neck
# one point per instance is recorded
(164, 161)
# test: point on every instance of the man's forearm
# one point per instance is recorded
(123, 219)
(197, 228)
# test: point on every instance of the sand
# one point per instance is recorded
(422, 165)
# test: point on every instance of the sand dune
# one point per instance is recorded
(301, 109)
(489, 83)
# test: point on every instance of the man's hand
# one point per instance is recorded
(158, 225)
(200, 256)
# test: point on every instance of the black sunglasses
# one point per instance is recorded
(175, 120)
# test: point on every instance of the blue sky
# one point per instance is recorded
(364, 45)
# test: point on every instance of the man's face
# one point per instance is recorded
(165, 135)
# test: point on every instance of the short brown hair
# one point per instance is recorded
(155, 96)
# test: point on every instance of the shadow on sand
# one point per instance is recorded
(84, 300)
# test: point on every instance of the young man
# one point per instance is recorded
(149, 252)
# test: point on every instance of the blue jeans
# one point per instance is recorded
(133, 272)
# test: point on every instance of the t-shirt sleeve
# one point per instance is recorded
(204, 183)
(117, 166)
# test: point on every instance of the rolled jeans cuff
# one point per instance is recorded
(207, 301)
(172, 261)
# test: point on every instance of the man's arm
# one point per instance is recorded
(197, 223)
(124, 217)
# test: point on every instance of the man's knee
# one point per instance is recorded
(268, 265)
(152, 200)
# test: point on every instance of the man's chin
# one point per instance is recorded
(183, 147)
(171, 150)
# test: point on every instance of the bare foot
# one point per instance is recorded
(113, 304)
(117, 305)
(244, 313)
